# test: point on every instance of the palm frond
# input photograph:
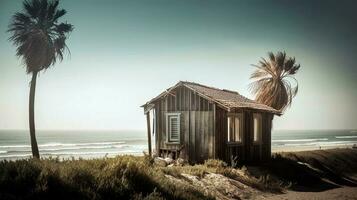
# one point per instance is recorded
(58, 14)
(52, 7)
(43, 10)
(39, 37)
(295, 90)
(60, 46)
(63, 28)
(272, 80)
(280, 59)
(32, 7)
(271, 56)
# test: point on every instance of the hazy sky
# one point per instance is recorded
(125, 52)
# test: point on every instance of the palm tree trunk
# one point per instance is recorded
(34, 147)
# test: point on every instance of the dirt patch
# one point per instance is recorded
(219, 186)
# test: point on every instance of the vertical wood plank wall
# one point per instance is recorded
(196, 124)
(221, 133)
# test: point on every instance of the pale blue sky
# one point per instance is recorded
(123, 53)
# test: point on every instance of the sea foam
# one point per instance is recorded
(346, 136)
(301, 140)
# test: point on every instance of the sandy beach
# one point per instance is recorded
(339, 181)
(343, 192)
(310, 148)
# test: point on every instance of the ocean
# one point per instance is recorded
(296, 140)
(15, 144)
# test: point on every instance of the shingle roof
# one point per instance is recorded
(226, 98)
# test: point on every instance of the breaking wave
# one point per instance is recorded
(56, 144)
(302, 140)
(346, 137)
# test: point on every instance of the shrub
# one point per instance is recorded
(215, 163)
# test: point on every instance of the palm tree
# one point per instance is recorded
(40, 40)
(273, 80)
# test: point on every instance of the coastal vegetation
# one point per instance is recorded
(273, 80)
(133, 177)
(41, 42)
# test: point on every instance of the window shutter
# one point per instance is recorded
(174, 128)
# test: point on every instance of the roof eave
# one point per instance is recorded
(208, 97)
(272, 111)
(222, 105)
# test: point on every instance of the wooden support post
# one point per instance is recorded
(214, 132)
(149, 131)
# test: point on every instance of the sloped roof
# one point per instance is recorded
(226, 98)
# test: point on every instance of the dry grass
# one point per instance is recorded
(123, 177)
(130, 177)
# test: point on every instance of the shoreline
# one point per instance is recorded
(309, 148)
(15, 144)
(69, 156)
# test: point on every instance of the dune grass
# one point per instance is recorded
(123, 177)
(133, 177)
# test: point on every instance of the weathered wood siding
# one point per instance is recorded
(196, 124)
(247, 151)
(221, 133)
(201, 135)
(203, 129)
(261, 151)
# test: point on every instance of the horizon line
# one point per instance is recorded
(14, 129)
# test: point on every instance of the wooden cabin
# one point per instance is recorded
(198, 122)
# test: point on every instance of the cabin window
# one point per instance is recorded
(173, 127)
(257, 118)
(235, 127)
